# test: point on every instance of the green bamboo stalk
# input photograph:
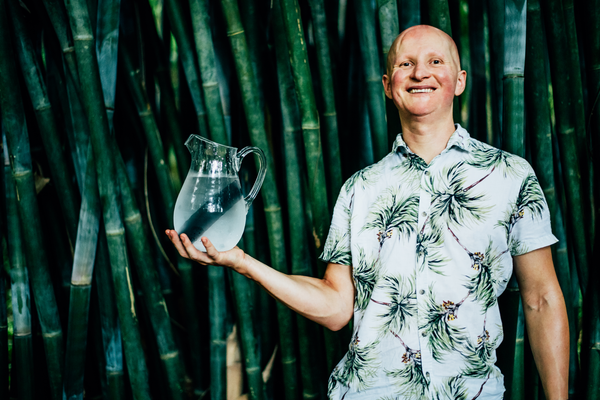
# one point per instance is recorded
(58, 17)
(299, 246)
(478, 88)
(7, 185)
(244, 305)
(139, 243)
(372, 66)
(112, 349)
(312, 145)
(496, 32)
(217, 307)
(3, 338)
(515, 22)
(439, 15)
(310, 120)
(540, 131)
(410, 13)
(251, 20)
(389, 29)
(107, 43)
(208, 69)
(44, 113)
(167, 94)
(81, 283)
(13, 119)
(180, 26)
(258, 137)
(513, 141)
(105, 168)
(329, 115)
(565, 127)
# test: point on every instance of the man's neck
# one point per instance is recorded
(427, 139)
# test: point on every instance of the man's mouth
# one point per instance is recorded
(420, 90)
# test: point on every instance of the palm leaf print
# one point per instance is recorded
(410, 165)
(365, 177)
(401, 302)
(478, 358)
(531, 197)
(428, 249)
(486, 157)
(333, 382)
(451, 197)
(336, 249)
(360, 367)
(453, 388)
(410, 380)
(487, 273)
(365, 276)
(442, 335)
(392, 212)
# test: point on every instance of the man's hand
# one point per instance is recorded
(546, 320)
(233, 258)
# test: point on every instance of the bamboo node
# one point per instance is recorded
(210, 84)
(83, 37)
(289, 361)
(219, 342)
(272, 209)
(133, 218)
(596, 346)
(145, 113)
(115, 232)
(170, 355)
(69, 49)
(52, 334)
(44, 108)
(330, 114)
(235, 33)
(513, 76)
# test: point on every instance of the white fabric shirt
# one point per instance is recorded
(430, 248)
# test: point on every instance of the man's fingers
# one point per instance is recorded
(210, 249)
(174, 237)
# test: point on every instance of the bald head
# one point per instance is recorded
(417, 32)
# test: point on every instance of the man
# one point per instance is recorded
(421, 245)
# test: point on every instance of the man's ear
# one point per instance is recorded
(461, 82)
(387, 86)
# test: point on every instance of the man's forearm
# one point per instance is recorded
(320, 300)
(548, 332)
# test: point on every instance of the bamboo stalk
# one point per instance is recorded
(147, 274)
(439, 15)
(3, 339)
(217, 307)
(389, 30)
(17, 139)
(496, 32)
(478, 93)
(333, 162)
(81, 283)
(299, 246)
(256, 126)
(180, 26)
(565, 127)
(208, 69)
(105, 168)
(540, 129)
(409, 13)
(370, 56)
(44, 113)
(107, 43)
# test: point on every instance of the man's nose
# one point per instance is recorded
(420, 72)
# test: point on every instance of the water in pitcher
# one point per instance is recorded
(212, 207)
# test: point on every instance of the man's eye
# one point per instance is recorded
(437, 62)
(405, 64)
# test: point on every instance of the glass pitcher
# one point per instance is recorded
(210, 202)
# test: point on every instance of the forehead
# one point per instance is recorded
(423, 42)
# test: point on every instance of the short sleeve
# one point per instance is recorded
(529, 226)
(337, 246)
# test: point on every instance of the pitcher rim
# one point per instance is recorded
(211, 141)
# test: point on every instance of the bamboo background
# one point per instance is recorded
(96, 100)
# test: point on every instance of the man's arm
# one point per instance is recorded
(328, 301)
(546, 320)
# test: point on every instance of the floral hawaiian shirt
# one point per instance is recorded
(431, 250)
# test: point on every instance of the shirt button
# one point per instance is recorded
(423, 334)
(427, 172)
(424, 214)
(427, 374)
(421, 291)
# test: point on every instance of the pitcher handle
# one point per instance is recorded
(262, 171)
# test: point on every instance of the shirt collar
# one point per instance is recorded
(460, 138)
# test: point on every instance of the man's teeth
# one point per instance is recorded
(420, 90)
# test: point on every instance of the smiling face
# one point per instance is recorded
(423, 74)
